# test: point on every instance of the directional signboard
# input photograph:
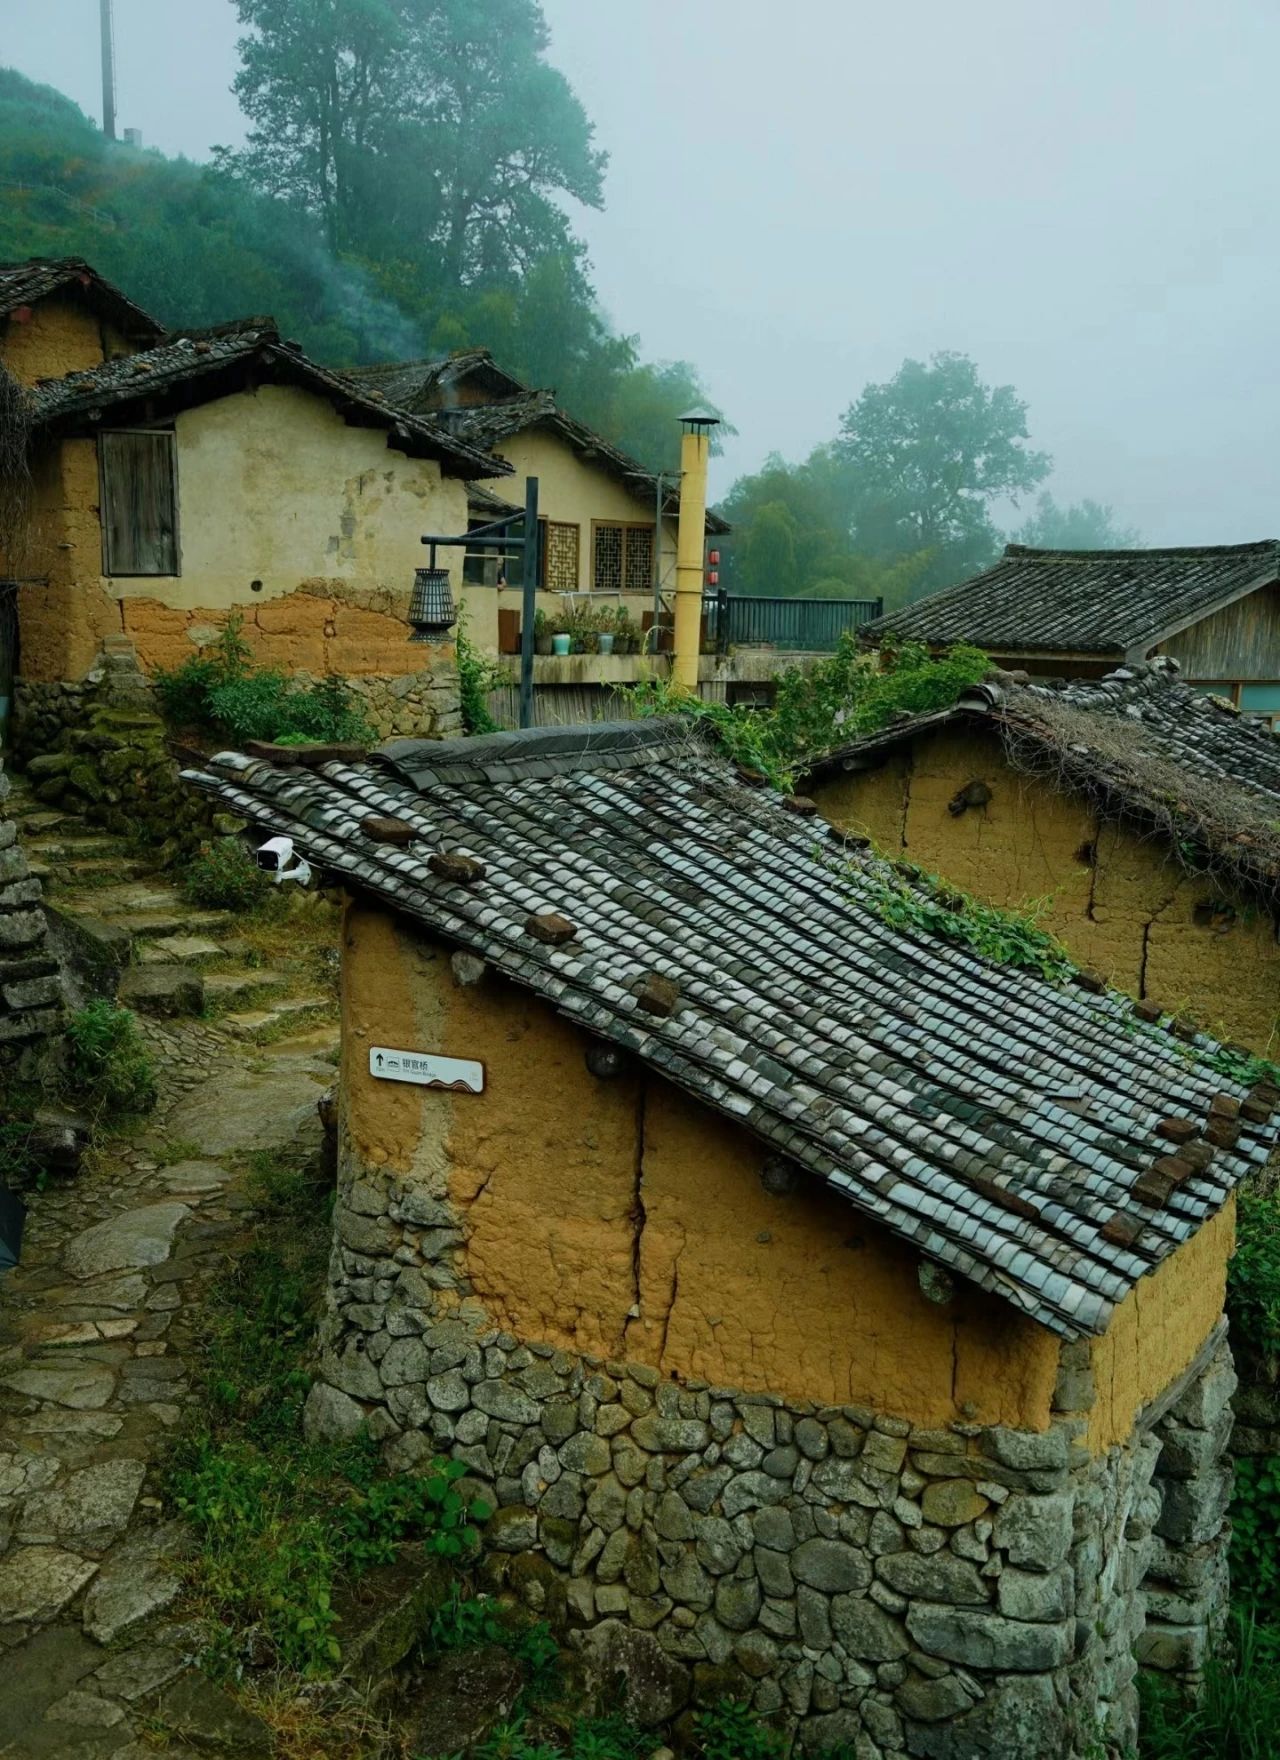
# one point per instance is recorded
(463, 1075)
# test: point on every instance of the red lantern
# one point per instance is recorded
(713, 578)
(713, 557)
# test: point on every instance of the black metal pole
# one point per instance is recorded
(529, 600)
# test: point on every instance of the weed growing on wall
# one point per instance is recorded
(477, 677)
(109, 1069)
(221, 690)
(841, 697)
(1253, 1275)
(1237, 1713)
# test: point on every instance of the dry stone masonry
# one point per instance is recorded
(30, 986)
(939, 1592)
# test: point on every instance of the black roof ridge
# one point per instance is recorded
(1255, 546)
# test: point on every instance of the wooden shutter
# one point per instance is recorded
(139, 502)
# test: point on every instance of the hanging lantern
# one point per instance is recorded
(431, 607)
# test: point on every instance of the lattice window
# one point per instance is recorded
(607, 576)
(639, 569)
(560, 557)
(623, 559)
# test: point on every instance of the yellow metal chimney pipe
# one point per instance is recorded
(691, 537)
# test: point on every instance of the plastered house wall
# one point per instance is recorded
(1122, 904)
(273, 488)
(727, 1438)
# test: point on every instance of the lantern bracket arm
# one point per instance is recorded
(495, 535)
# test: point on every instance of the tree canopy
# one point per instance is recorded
(928, 453)
(399, 196)
(904, 499)
(1083, 525)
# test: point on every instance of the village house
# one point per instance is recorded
(833, 1317)
(224, 473)
(1136, 815)
(1215, 609)
(58, 315)
(608, 522)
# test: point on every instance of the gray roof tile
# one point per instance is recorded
(898, 1081)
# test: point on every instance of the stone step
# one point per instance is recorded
(148, 911)
(184, 950)
(261, 1024)
(72, 845)
(94, 871)
(242, 985)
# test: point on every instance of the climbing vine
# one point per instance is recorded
(908, 898)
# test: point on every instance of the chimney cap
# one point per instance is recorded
(699, 418)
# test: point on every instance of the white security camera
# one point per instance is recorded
(276, 857)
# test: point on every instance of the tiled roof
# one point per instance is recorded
(1163, 753)
(1009, 1129)
(423, 386)
(22, 284)
(1109, 602)
(203, 356)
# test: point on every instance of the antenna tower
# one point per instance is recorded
(108, 70)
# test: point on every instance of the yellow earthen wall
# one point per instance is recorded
(1123, 905)
(60, 336)
(620, 1217)
(274, 487)
(1157, 1330)
(577, 490)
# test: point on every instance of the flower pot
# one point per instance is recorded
(606, 643)
(542, 644)
(561, 644)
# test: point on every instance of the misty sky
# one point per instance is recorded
(802, 194)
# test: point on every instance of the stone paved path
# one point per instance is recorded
(95, 1331)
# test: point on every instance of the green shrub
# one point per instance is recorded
(224, 876)
(222, 690)
(267, 705)
(1255, 1538)
(281, 1523)
(477, 677)
(919, 902)
(186, 691)
(108, 1064)
(1253, 1276)
(1237, 1714)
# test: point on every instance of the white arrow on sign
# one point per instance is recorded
(464, 1075)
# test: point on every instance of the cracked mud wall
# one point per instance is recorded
(1123, 905)
(693, 1266)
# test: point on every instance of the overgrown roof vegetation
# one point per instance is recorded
(826, 705)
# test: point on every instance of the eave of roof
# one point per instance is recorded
(202, 360)
(1001, 1125)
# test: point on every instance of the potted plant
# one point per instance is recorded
(562, 642)
(543, 636)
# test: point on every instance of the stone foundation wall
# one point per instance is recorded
(30, 987)
(942, 1592)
